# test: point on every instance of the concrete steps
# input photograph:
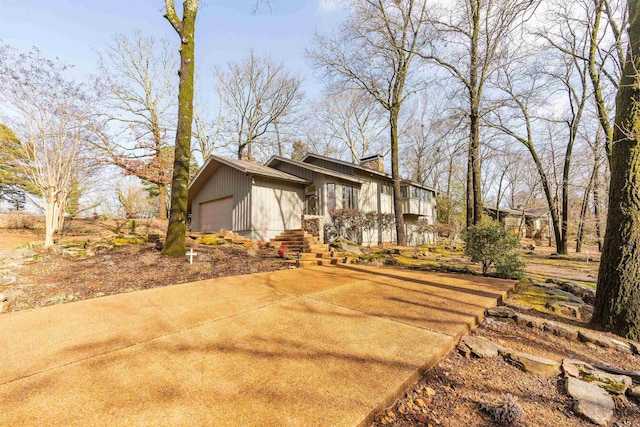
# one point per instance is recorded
(312, 252)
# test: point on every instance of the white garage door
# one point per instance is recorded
(216, 215)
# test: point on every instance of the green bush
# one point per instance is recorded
(492, 245)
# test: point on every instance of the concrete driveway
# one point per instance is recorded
(322, 346)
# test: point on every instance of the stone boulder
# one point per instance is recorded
(500, 311)
(532, 364)
(595, 338)
(565, 295)
(587, 294)
(529, 321)
(634, 392)
(612, 382)
(561, 330)
(590, 401)
(478, 347)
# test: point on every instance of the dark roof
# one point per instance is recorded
(365, 169)
(314, 168)
(527, 212)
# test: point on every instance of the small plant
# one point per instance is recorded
(212, 241)
(508, 412)
(134, 224)
(493, 245)
(282, 252)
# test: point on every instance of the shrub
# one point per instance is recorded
(492, 245)
(508, 412)
(350, 224)
(282, 252)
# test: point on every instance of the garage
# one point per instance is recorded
(216, 215)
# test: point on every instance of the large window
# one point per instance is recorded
(331, 196)
(404, 191)
(349, 197)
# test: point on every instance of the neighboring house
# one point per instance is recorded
(261, 201)
(533, 223)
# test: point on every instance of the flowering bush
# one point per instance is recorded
(282, 252)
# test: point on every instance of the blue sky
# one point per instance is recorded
(73, 30)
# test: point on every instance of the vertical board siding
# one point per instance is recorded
(368, 197)
(226, 182)
(332, 166)
(296, 170)
(277, 206)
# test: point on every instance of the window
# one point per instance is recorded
(386, 189)
(349, 197)
(331, 196)
(404, 191)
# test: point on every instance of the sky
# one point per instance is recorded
(226, 30)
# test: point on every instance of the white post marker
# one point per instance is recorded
(191, 254)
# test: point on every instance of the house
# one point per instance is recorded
(261, 201)
(533, 223)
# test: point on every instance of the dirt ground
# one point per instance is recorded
(92, 267)
(452, 393)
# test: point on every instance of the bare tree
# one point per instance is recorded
(139, 89)
(257, 94)
(473, 38)
(374, 51)
(355, 121)
(176, 232)
(53, 119)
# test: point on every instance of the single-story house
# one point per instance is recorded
(524, 222)
(261, 201)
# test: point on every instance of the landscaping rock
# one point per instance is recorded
(570, 309)
(590, 401)
(352, 249)
(533, 364)
(554, 281)
(594, 338)
(501, 311)
(564, 294)
(478, 347)
(573, 367)
(587, 294)
(612, 382)
(544, 285)
(7, 280)
(634, 392)
(529, 321)
(635, 347)
(622, 345)
(634, 375)
(561, 331)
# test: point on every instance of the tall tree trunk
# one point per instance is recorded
(596, 206)
(617, 303)
(401, 238)
(176, 232)
(583, 211)
(162, 201)
(469, 196)
(474, 119)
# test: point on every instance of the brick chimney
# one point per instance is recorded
(375, 162)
